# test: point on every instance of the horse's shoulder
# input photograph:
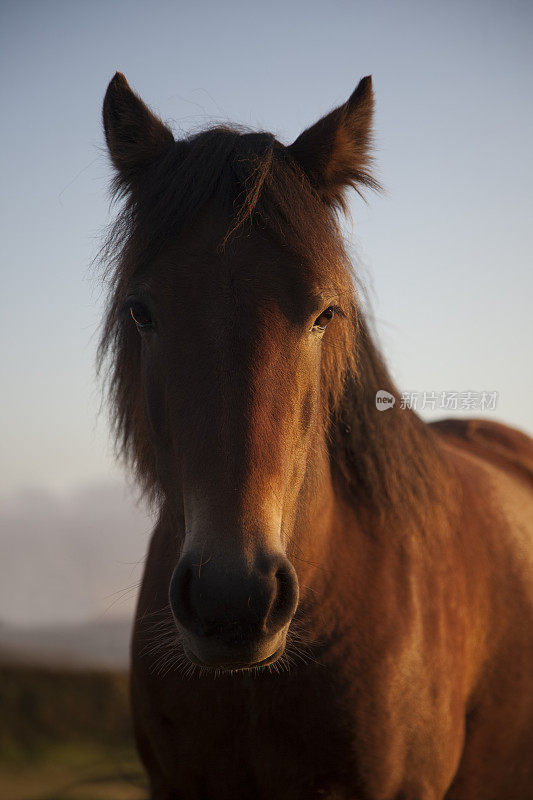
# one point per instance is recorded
(499, 443)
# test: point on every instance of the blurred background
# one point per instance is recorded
(445, 255)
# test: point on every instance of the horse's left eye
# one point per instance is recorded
(322, 321)
(141, 316)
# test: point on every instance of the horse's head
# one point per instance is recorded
(231, 327)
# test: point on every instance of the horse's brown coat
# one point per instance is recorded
(408, 671)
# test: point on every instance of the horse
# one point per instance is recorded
(337, 599)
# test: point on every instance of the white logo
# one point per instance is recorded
(384, 400)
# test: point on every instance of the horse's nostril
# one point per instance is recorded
(180, 597)
(286, 598)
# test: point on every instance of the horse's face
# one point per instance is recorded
(230, 367)
(229, 362)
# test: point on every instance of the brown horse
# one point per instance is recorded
(337, 600)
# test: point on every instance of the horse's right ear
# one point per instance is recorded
(135, 136)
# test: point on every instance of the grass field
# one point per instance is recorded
(65, 735)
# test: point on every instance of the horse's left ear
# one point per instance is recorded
(335, 152)
(135, 136)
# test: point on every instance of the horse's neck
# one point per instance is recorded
(390, 496)
(359, 564)
(388, 460)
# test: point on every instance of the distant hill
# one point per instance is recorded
(71, 556)
(96, 644)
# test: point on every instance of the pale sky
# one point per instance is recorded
(446, 253)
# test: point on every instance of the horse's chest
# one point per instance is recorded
(255, 739)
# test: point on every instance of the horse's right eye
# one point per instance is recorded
(141, 316)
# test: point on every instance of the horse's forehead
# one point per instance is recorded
(209, 258)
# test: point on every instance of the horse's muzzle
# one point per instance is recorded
(231, 615)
